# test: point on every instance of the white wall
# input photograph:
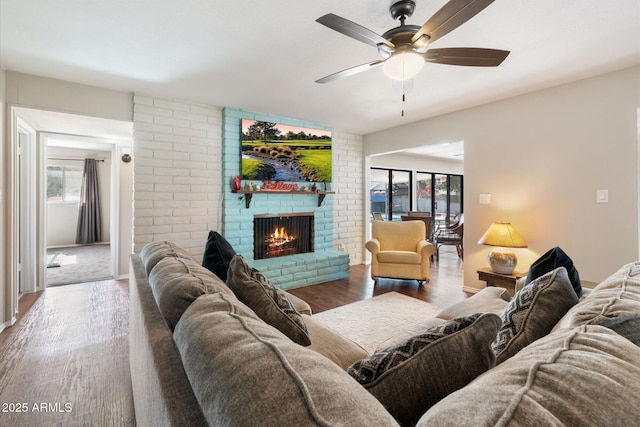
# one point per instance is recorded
(56, 95)
(418, 163)
(62, 217)
(5, 306)
(542, 156)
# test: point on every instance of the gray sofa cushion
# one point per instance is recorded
(235, 361)
(411, 377)
(587, 376)
(617, 296)
(533, 312)
(270, 303)
(177, 282)
(153, 252)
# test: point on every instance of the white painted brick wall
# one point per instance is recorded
(178, 172)
(348, 208)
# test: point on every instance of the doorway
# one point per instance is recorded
(67, 261)
(112, 137)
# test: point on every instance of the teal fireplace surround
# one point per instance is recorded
(322, 265)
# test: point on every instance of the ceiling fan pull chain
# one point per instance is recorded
(402, 115)
(403, 99)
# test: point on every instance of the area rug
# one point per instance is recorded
(372, 321)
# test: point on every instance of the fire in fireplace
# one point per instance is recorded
(282, 234)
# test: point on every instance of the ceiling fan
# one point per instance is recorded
(404, 48)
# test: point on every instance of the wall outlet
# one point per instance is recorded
(602, 196)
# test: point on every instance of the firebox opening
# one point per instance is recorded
(282, 235)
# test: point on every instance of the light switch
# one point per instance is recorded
(602, 196)
(485, 199)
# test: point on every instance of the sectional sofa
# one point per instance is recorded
(242, 353)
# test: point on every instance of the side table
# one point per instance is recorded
(503, 280)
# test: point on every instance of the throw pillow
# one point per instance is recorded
(218, 253)
(551, 260)
(533, 312)
(268, 302)
(411, 377)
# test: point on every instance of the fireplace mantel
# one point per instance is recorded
(248, 194)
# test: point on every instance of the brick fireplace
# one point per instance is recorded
(322, 263)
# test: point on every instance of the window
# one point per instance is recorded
(390, 192)
(64, 183)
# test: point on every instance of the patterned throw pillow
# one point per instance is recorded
(411, 377)
(533, 312)
(268, 302)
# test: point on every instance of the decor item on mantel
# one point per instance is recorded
(237, 183)
(269, 186)
(503, 236)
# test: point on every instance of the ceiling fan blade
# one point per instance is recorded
(350, 71)
(469, 56)
(353, 30)
(450, 17)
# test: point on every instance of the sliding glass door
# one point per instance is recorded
(390, 193)
(440, 194)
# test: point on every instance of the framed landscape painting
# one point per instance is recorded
(278, 152)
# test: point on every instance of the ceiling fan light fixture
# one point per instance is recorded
(403, 65)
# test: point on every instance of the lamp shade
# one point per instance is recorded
(403, 65)
(502, 234)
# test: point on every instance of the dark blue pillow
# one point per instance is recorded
(217, 255)
(551, 260)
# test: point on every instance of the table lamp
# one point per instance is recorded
(503, 236)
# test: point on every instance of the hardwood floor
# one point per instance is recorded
(66, 360)
(444, 288)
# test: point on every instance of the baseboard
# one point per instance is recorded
(74, 245)
(8, 323)
(470, 289)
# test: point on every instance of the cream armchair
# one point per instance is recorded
(399, 250)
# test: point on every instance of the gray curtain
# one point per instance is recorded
(88, 230)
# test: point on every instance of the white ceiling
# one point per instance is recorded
(265, 55)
